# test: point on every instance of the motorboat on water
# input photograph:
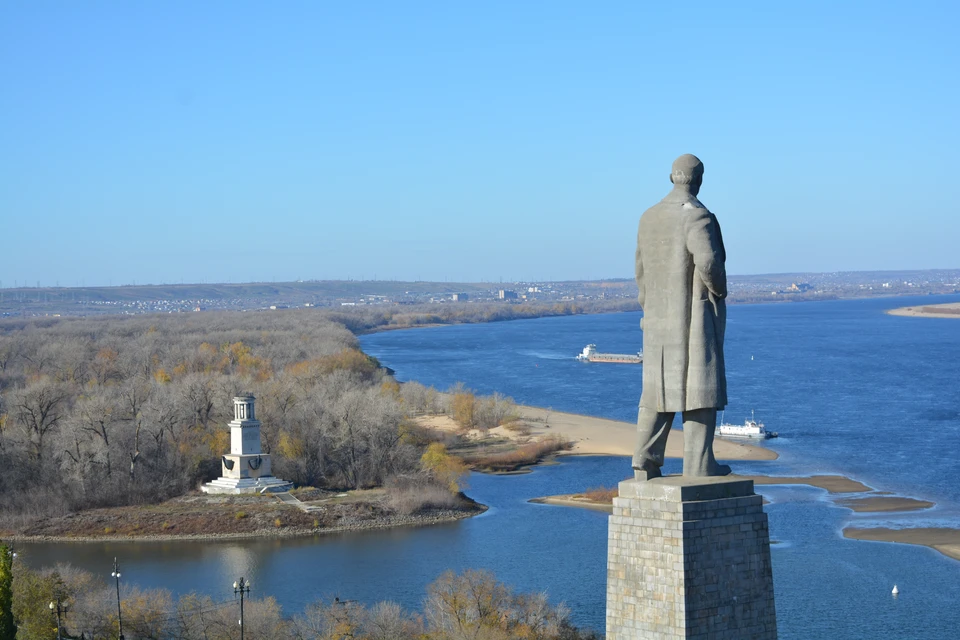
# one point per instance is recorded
(751, 428)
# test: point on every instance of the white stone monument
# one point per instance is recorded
(245, 468)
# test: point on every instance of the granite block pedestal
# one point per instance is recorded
(689, 558)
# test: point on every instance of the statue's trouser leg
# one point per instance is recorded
(652, 430)
(699, 426)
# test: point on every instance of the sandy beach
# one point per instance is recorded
(593, 436)
(599, 436)
(948, 310)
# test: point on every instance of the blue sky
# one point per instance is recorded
(246, 141)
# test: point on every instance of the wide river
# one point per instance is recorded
(850, 389)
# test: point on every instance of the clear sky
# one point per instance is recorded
(247, 141)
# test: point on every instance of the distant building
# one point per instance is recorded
(460, 297)
(503, 294)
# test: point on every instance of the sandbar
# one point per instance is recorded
(946, 541)
(948, 310)
(875, 503)
(590, 435)
(600, 436)
(832, 484)
(573, 500)
(883, 504)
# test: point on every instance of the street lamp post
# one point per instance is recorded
(116, 576)
(242, 587)
(58, 607)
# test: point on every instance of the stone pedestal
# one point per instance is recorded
(689, 558)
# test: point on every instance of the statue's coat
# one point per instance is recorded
(683, 282)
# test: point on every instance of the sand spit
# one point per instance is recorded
(948, 310)
(946, 541)
(574, 500)
(600, 436)
(832, 484)
(884, 504)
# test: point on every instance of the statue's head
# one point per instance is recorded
(687, 170)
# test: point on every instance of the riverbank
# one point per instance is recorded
(197, 516)
(600, 436)
(570, 434)
(948, 310)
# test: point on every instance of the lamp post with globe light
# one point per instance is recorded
(116, 576)
(242, 587)
(59, 608)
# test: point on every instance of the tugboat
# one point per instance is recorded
(750, 428)
(589, 354)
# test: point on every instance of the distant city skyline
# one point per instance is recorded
(239, 142)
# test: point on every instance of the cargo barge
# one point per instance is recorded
(590, 354)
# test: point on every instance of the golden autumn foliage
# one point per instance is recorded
(352, 360)
(463, 405)
(291, 446)
(391, 388)
(218, 441)
(446, 468)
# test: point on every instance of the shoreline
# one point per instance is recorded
(602, 436)
(942, 539)
(392, 522)
(945, 310)
(831, 298)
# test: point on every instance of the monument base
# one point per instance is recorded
(689, 558)
(263, 484)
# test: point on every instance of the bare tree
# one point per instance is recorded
(39, 408)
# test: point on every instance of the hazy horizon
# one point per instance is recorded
(167, 142)
(733, 276)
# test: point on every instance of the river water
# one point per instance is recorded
(850, 389)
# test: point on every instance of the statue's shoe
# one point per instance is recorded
(647, 472)
(721, 470)
(716, 469)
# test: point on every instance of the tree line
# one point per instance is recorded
(472, 604)
(112, 411)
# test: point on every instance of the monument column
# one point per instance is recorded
(689, 558)
(246, 469)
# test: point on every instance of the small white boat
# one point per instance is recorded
(751, 428)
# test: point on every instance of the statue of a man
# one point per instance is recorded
(683, 283)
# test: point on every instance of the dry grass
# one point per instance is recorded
(411, 495)
(941, 310)
(522, 456)
(600, 495)
(518, 426)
